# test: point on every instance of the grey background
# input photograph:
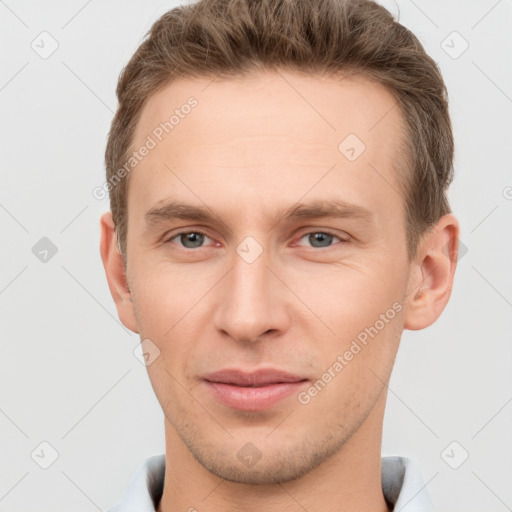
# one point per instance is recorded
(68, 373)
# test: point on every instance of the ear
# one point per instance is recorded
(431, 274)
(116, 273)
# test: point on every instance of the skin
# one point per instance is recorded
(252, 147)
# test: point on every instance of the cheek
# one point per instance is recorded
(362, 310)
(171, 304)
(345, 296)
(166, 293)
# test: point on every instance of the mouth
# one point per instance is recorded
(252, 391)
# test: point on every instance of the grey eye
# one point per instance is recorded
(190, 239)
(320, 239)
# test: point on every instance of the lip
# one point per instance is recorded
(252, 391)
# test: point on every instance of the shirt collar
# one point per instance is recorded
(402, 486)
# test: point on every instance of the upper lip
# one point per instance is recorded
(257, 378)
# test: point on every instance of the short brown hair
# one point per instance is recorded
(235, 37)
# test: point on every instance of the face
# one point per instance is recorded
(297, 263)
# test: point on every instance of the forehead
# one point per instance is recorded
(327, 106)
(267, 129)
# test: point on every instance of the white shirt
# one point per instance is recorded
(402, 486)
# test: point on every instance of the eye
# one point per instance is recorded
(194, 239)
(190, 239)
(321, 239)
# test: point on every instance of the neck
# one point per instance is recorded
(349, 480)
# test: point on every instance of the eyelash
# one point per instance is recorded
(199, 232)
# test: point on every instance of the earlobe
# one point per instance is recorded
(432, 273)
(116, 273)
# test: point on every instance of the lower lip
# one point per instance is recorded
(253, 398)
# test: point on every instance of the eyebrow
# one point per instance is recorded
(172, 210)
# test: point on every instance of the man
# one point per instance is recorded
(277, 174)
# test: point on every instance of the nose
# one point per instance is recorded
(253, 301)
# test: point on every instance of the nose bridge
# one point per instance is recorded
(249, 306)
